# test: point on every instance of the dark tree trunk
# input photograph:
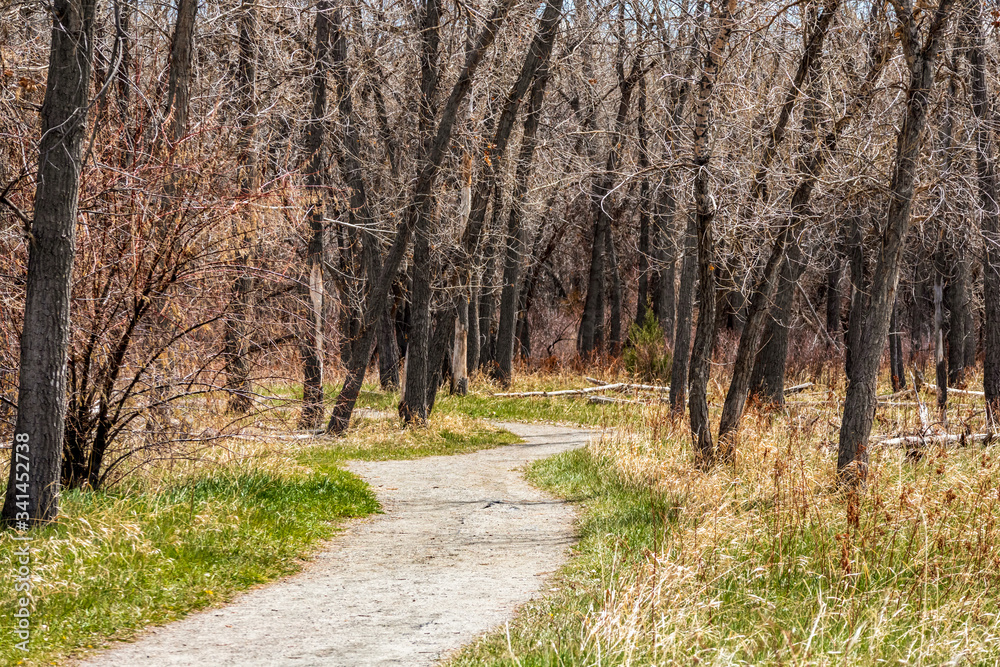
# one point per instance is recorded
(179, 81)
(664, 246)
(312, 342)
(897, 371)
(591, 334)
(856, 265)
(918, 309)
(472, 338)
(704, 338)
(617, 296)
(514, 250)
(940, 360)
(986, 181)
(833, 297)
(388, 352)
(33, 485)
(957, 297)
(767, 381)
(237, 323)
(860, 402)
(645, 205)
(685, 314)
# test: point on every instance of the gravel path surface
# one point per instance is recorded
(463, 542)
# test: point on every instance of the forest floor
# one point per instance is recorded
(463, 541)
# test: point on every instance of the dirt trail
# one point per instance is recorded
(463, 542)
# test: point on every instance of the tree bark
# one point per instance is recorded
(957, 296)
(986, 182)
(897, 372)
(833, 297)
(685, 314)
(237, 322)
(514, 250)
(312, 341)
(33, 485)
(413, 405)
(767, 381)
(179, 81)
(591, 336)
(704, 338)
(940, 360)
(860, 402)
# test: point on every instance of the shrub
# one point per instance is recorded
(646, 355)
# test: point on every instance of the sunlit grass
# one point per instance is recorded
(764, 561)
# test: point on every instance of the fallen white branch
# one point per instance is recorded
(964, 392)
(922, 441)
(562, 392)
(797, 388)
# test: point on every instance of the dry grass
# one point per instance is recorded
(764, 561)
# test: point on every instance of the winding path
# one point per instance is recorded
(463, 542)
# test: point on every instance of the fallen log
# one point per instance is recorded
(646, 387)
(912, 441)
(562, 392)
(609, 399)
(797, 388)
(964, 392)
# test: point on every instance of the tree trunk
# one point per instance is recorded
(856, 264)
(237, 323)
(388, 352)
(767, 381)
(833, 297)
(472, 337)
(704, 338)
(312, 342)
(685, 314)
(957, 296)
(460, 352)
(179, 81)
(986, 181)
(897, 372)
(514, 250)
(645, 205)
(940, 361)
(33, 485)
(615, 324)
(860, 402)
(591, 334)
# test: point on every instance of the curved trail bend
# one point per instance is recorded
(463, 542)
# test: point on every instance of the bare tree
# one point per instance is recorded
(33, 486)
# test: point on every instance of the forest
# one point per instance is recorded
(227, 219)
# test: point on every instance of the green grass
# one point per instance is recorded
(620, 521)
(571, 410)
(118, 561)
(152, 551)
(381, 439)
(764, 562)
